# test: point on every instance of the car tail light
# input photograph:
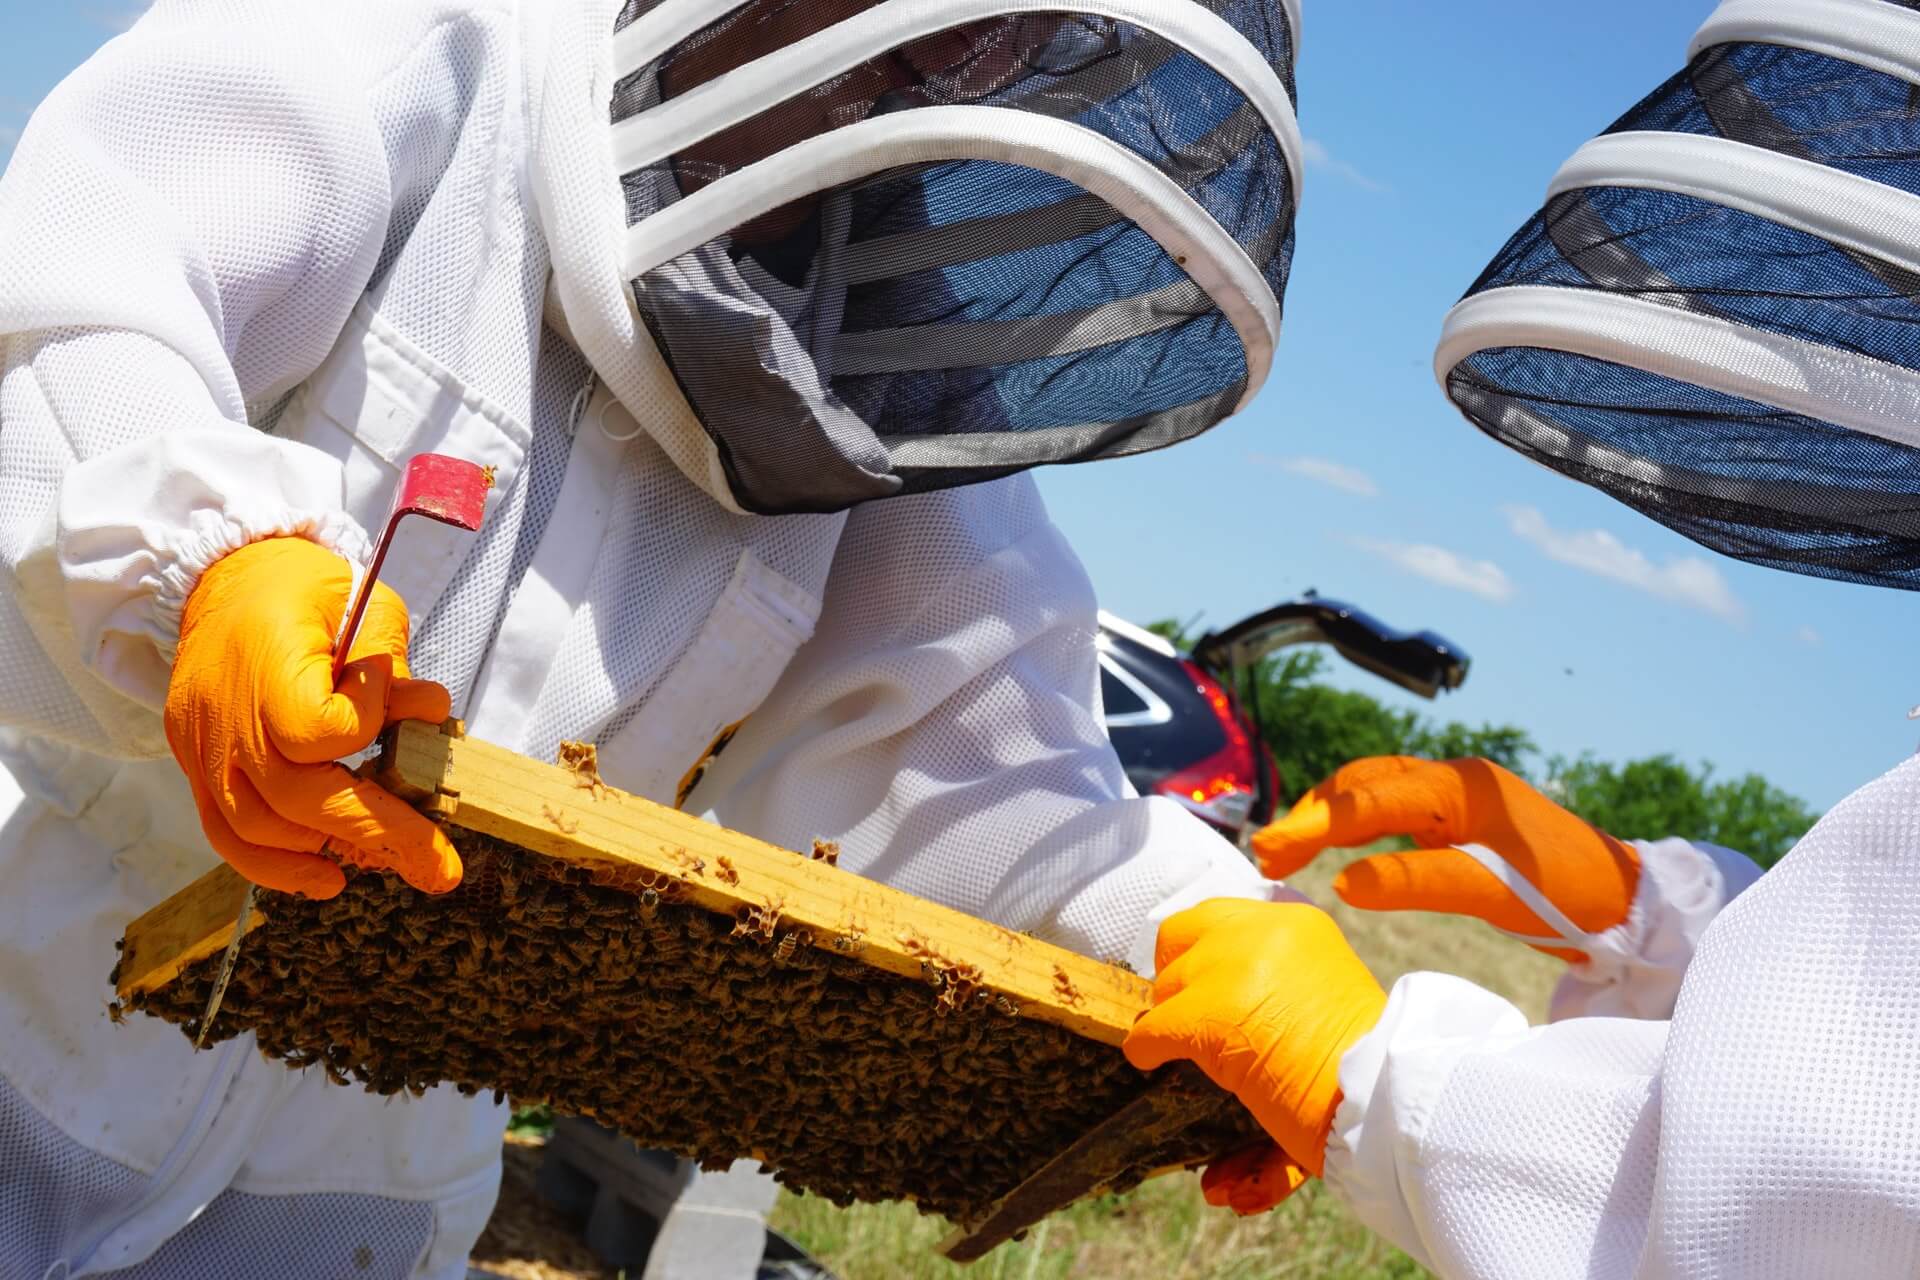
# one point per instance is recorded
(1221, 788)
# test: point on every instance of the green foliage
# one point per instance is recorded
(1313, 728)
(1757, 818)
(1162, 1229)
(1174, 633)
(1505, 744)
(1660, 796)
(534, 1121)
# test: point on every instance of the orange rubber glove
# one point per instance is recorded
(1252, 1180)
(1266, 997)
(1532, 859)
(253, 718)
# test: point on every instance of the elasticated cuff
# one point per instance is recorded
(210, 536)
(1637, 966)
(1390, 1083)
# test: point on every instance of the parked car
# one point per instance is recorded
(1177, 719)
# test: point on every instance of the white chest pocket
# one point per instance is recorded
(378, 400)
(721, 679)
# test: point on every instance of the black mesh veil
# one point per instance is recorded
(1716, 315)
(885, 246)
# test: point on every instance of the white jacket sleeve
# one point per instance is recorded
(942, 724)
(184, 227)
(1766, 1132)
(1636, 967)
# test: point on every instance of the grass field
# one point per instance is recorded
(1164, 1231)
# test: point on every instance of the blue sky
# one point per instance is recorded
(1434, 129)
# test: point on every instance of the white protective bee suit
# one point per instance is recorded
(253, 256)
(1711, 318)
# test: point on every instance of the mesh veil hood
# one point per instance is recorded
(876, 247)
(1716, 315)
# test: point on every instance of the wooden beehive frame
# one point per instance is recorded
(570, 815)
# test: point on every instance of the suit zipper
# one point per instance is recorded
(175, 1163)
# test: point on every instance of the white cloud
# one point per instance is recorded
(1315, 153)
(1444, 568)
(114, 18)
(1334, 475)
(1809, 637)
(1686, 580)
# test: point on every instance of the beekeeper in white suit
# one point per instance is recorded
(693, 290)
(1711, 318)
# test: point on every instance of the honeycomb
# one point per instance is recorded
(703, 1034)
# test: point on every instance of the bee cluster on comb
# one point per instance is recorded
(697, 1002)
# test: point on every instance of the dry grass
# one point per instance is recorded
(1164, 1231)
(1396, 943)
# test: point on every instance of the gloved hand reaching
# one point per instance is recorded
(253, 717)
(1516, 859)
(1266, 997)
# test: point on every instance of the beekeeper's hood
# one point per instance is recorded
(1716, 317)
(872, 247)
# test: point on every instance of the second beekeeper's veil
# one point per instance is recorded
(886, 246)
(1716, 315)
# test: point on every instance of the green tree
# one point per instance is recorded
(1660, 796)
(1174, 633)
(1313, 728)
(1504, 744)
(1757, 818)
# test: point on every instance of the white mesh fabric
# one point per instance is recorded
(449, 114)
(449, 117)
(669, 552)
(426, 116)
(226, 180)
(36, 698)
(1513, 1185)
(57, 1199)
(1792, 1132)
(51, 1189)
(186, 222)
(452, 641)
(70, 396)
(1769, 1132)
(182, 166)
(941, 726)
(298, 1237)
(1636, 968)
